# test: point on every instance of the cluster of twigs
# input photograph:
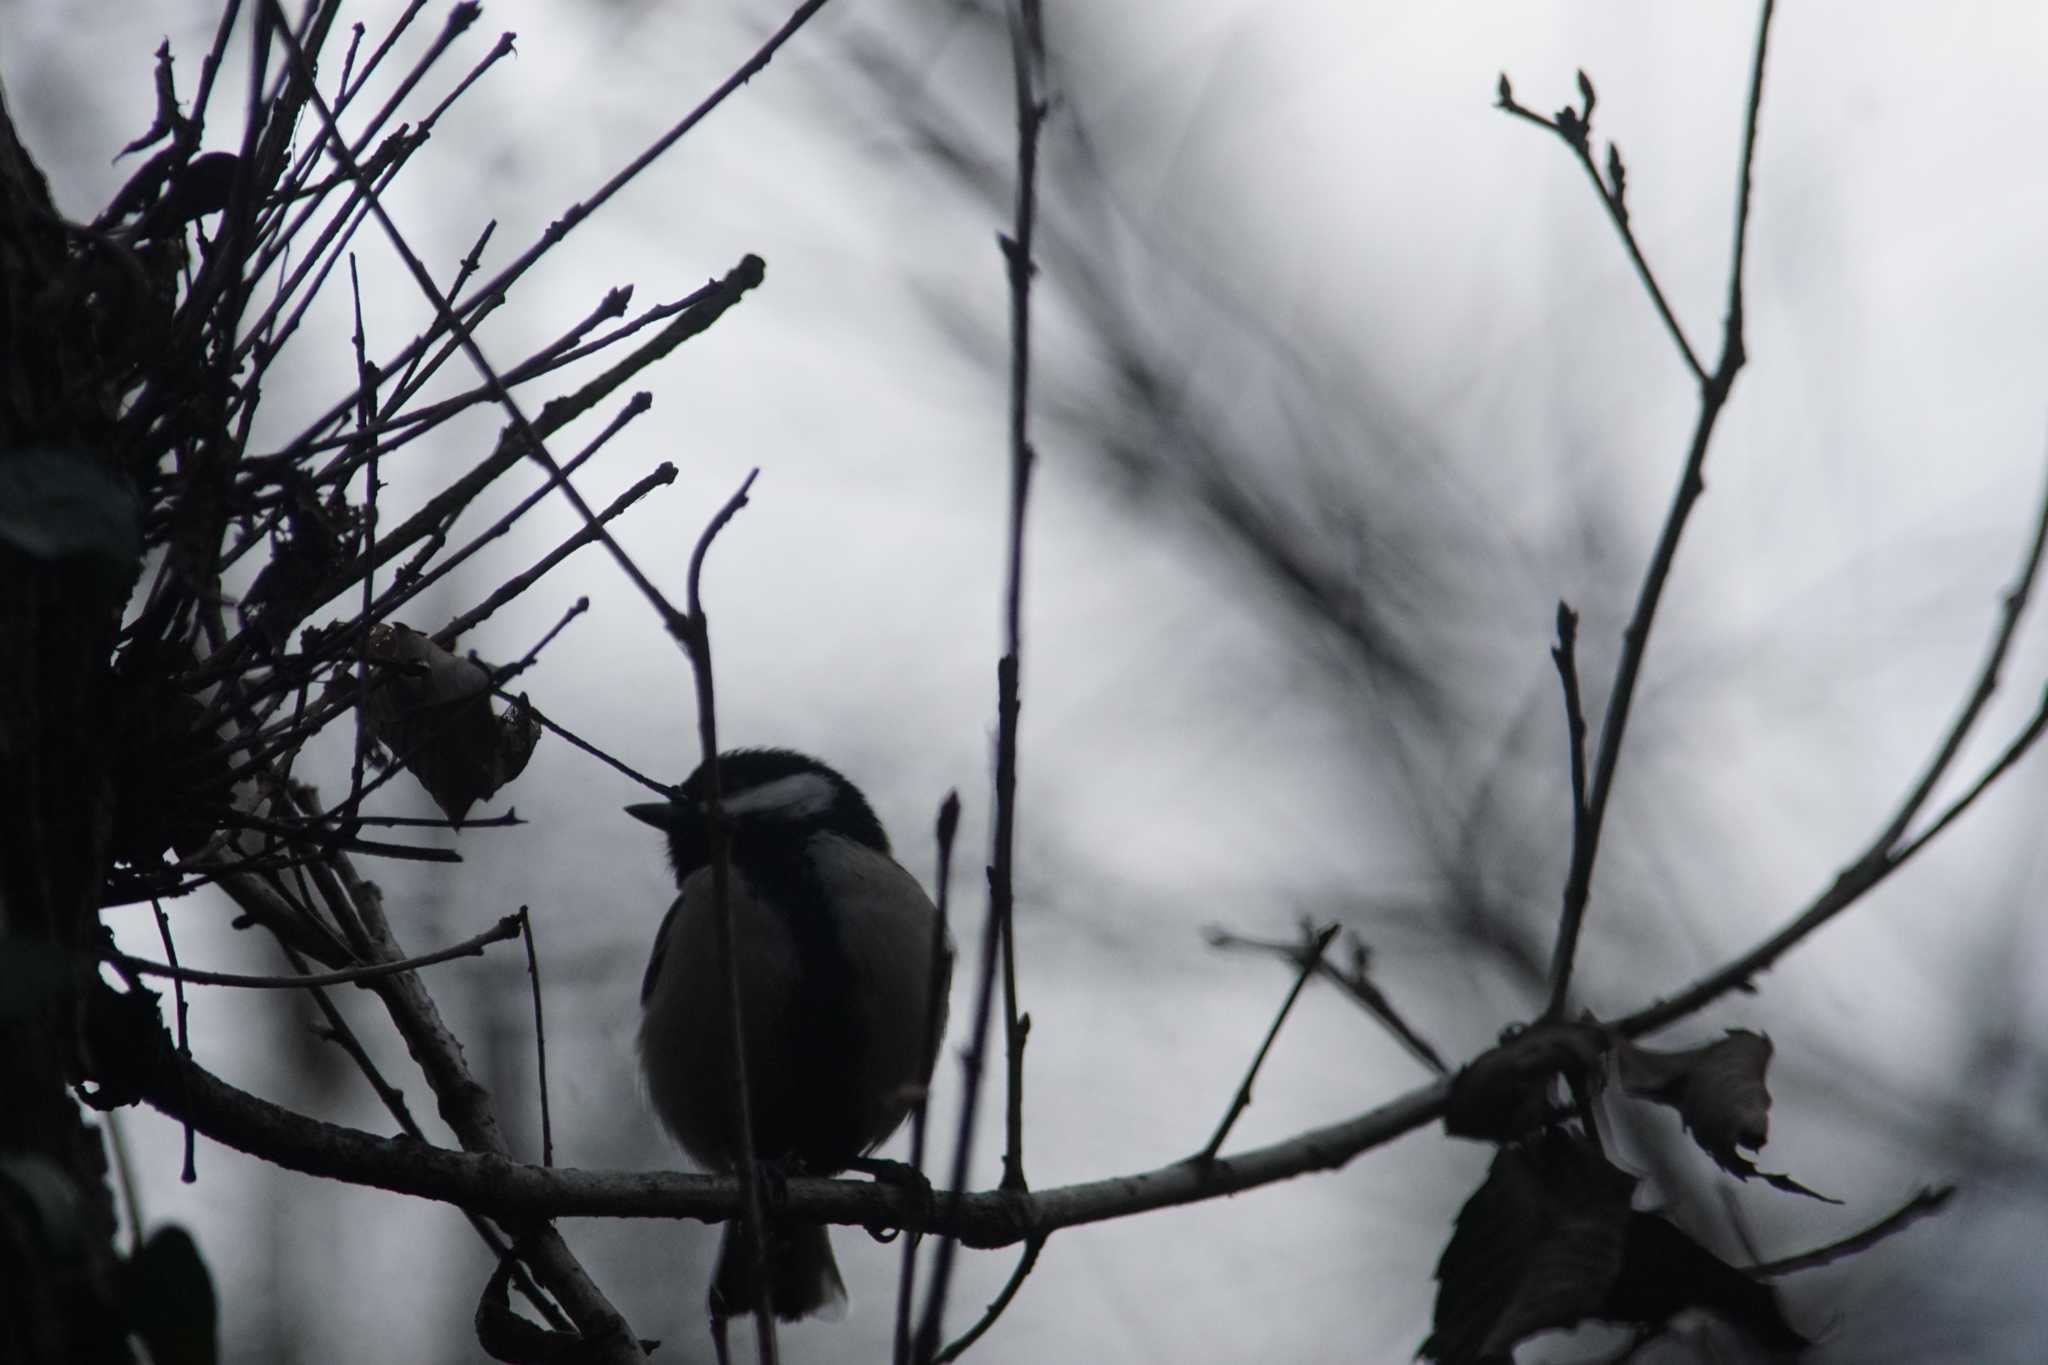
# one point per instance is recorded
(226, 253)
(196, 280)
(210, 261)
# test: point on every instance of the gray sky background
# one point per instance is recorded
(1192, 757)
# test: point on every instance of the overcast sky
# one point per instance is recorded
(1335, 173)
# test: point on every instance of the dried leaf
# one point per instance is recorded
(1665, 1272)
(1539, 1245)
(432, 709)
(1505, 1093)
(1720, 1095)
(1550, 1240)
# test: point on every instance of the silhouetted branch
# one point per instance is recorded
(1242, 1099)
(694, 633)
(506, 928)
(1714, 390)
(1928, 1201)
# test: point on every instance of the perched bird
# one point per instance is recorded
(834, 943)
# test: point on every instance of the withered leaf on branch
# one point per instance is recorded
(1550, 1240)
(1505, 1092)
(296, 578)
(432, 710)
(1537, 1246)
(1664, 1272)
(1720, 1095)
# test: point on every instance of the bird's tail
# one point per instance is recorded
(803, 1279)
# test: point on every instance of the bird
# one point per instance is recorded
(843, 968)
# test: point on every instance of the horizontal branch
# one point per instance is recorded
(506, 928)
(504, 1189)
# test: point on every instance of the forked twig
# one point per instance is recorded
(1242, 1100)
(1575, 128)
(694, 633)
(1356, 983)
(1714, 390)
(1027, 52)
(1886, 854)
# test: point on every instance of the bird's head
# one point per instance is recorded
(769, 797)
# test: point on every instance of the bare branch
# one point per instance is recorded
(1926, 1202)
(496, 1186)
(1241, 1101)
(533, 445)
(1884, 855)
(662, 475)
(694, 632)
(506, 928)
(540, 1040)
(1025, 1265)
(1714, 390)
(1574, 129)
(1355, 983)
(1027, 51)
(947, 826)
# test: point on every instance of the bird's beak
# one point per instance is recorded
(660, 814)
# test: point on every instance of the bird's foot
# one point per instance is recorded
(917, 1188)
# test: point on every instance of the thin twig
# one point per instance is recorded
(2013, 753)
(342, 1036)
(509, 820)
(1565, 655)
(495, 288)
(1884, 854)
(2011, 607)
(1929, 1200)
(1025, 1265)
(189, 1172)
(1849, 886)
(1575, 128)
(366, 380)
(533, 446)
(506, 928)
(1242, 1100)
(428, 522)
(540, 1040)
(464, 269)
(1714, 392)
(974, 1068)
(1355, 983)
(465, 1105)
(1027, 51)
(575, 740)
(696, 638)
(505, 674)
(934, 1021)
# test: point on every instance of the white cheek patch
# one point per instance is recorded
(800, 796)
